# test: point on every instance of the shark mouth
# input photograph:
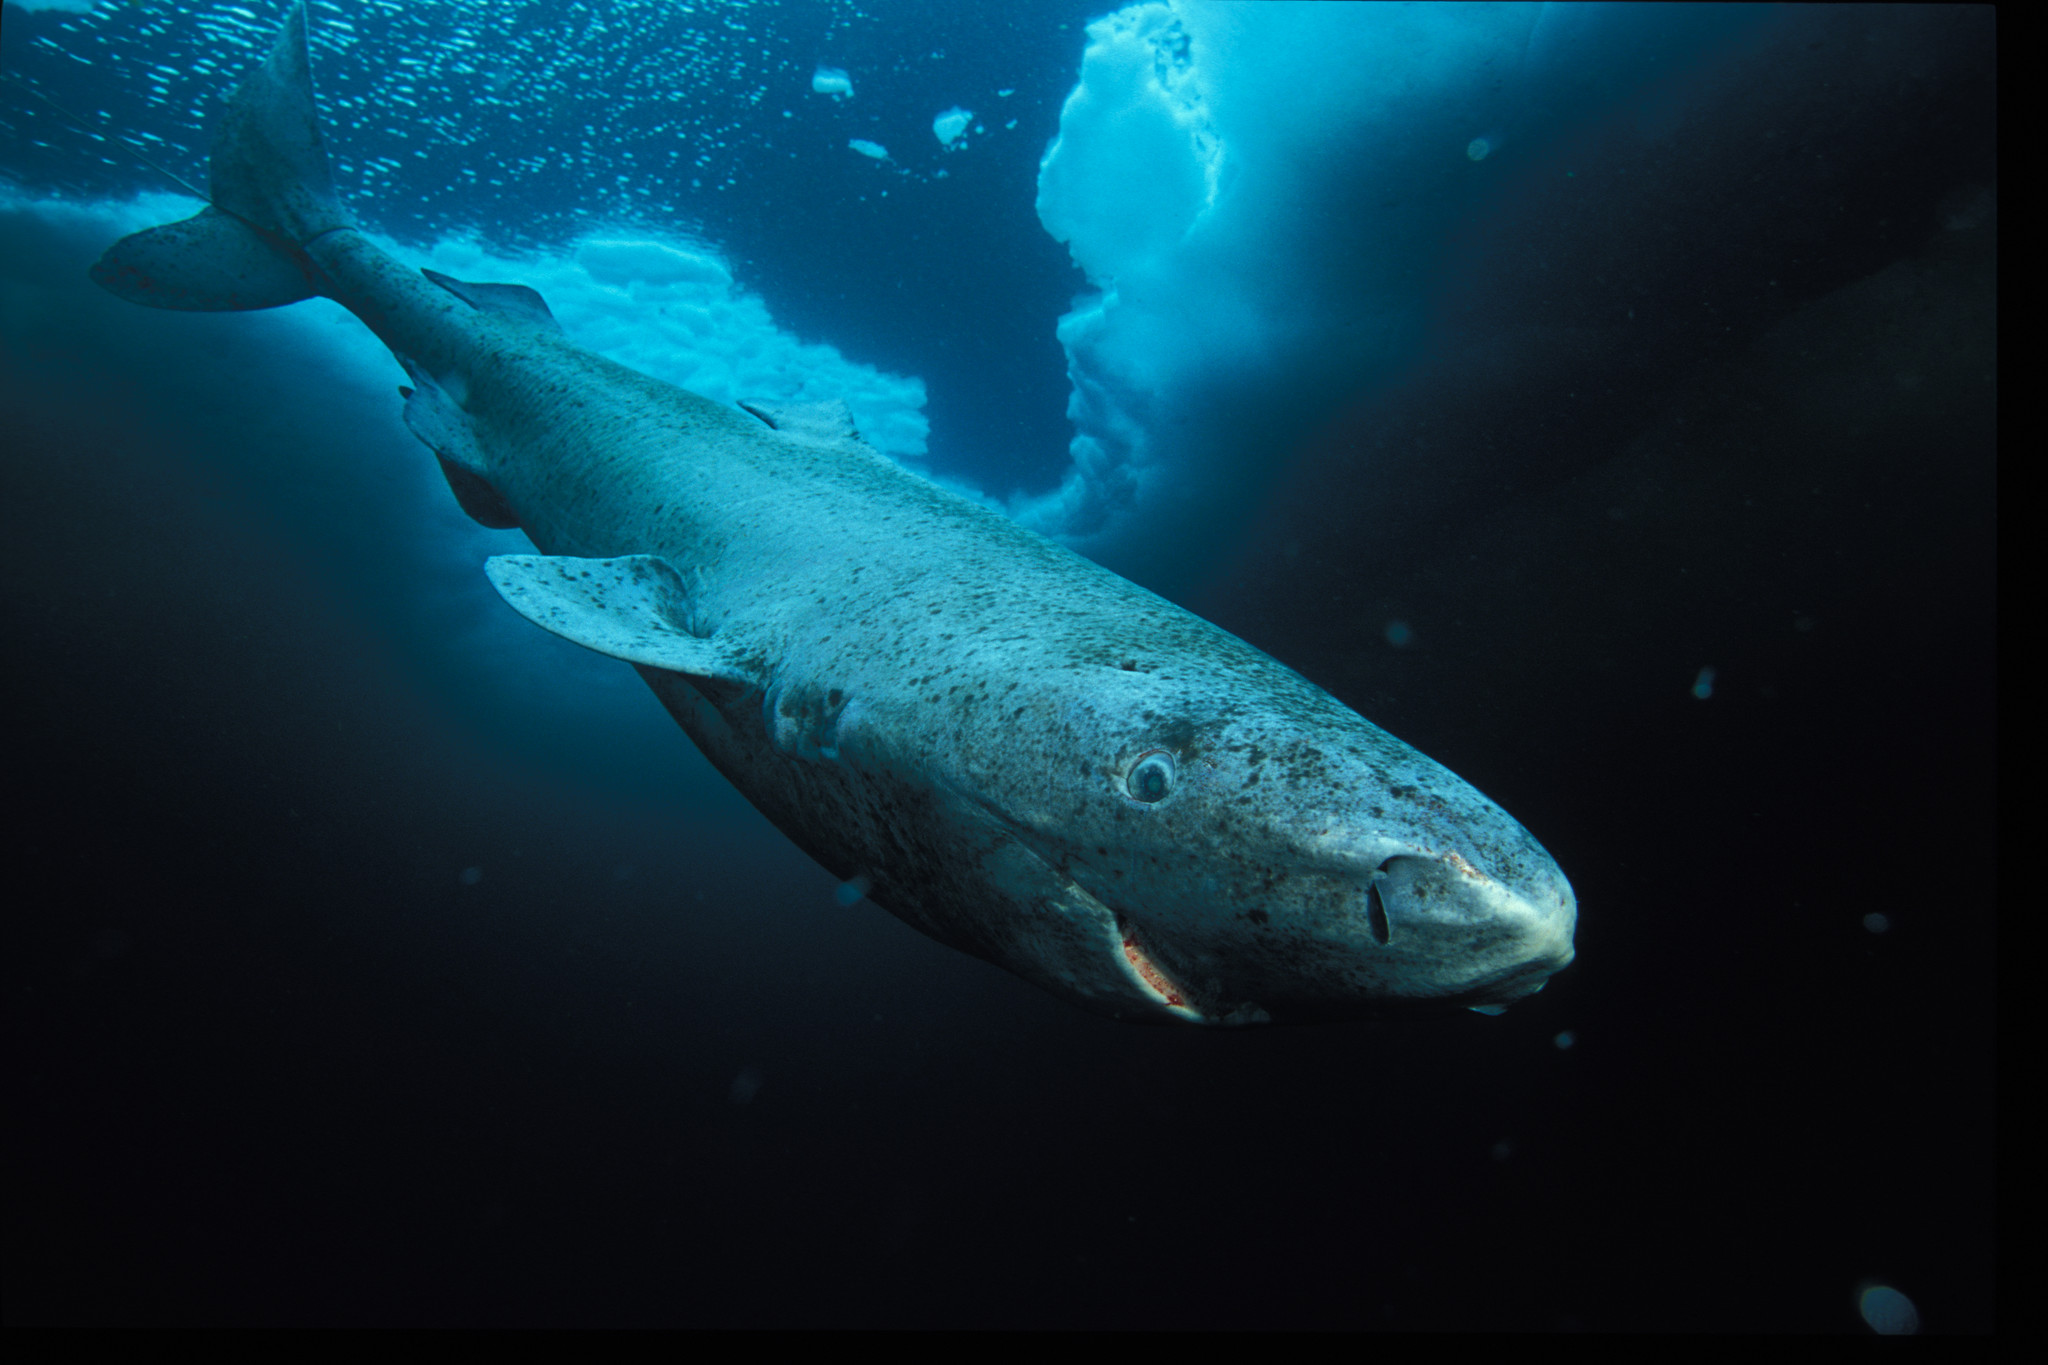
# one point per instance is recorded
(1152, 979)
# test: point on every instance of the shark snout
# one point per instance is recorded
(1418, 927)
(1485, 940)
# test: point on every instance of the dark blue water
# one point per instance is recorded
(376, 958)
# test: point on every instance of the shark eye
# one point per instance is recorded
(1151, 778)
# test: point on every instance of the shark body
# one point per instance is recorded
(1018, 752)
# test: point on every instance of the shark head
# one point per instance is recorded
(1232, 845)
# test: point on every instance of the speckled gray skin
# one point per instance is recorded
(1011, 748)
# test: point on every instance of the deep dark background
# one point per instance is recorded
(271, 1061)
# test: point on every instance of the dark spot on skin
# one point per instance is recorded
(1129, 665)
(1257, 916)
(1401, 793)
(834, 697)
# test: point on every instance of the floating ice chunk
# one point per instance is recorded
(867, 148)
(830, 80)
(948, 126)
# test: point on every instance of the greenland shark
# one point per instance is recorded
(1011, 748)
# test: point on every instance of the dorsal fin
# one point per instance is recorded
(506, 300)
(830, 420)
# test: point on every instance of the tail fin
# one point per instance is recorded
(270, 191)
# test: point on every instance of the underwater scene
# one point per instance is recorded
(613, 724)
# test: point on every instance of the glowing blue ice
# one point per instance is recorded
(620, 262)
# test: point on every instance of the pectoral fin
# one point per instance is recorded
(434, 416)
(635, 608)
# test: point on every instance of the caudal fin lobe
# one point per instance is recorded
(271, 193)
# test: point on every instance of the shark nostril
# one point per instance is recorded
(1376, 922)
